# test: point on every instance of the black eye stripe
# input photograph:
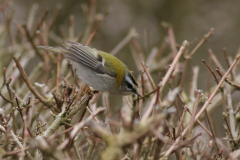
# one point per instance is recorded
(133, 80)
(129, 85)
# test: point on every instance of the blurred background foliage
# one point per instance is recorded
(189, 19)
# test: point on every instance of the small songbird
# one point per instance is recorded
(98, 69)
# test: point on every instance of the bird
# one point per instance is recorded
(100, 70)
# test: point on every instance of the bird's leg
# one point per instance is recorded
(95, 91)
(88, 90)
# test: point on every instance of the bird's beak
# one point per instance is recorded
(138, 93)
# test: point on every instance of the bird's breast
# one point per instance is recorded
(101, 82)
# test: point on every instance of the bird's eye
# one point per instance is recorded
(129, 86)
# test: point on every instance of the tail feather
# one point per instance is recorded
(83, 55)
(57, 50)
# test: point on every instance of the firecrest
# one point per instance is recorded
(98, 69)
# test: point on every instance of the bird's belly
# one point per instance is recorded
(99, 82)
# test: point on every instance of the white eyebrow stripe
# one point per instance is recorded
(103, 62)
(130, 81)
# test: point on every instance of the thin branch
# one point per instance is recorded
(9, 101)
(200, 123)
(199, 94)
(169, 151)
(148, 75)
(20, 145)
(31, 88)
(204, 39)
(56, 13)
(211, 128)
(228, 61)
(32, 43)
(214, 75)
(170, 70)
(78, 126)
(215, 60)
(44, 15)
(132, 33)
(228, 81)
(146, 95)
(58, 72)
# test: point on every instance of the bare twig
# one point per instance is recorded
(211, 128)
(148, 75)
(170, 70)
(214, 75)
(56, 13)
(132, 33)
(199, 94)
(31, 88)
(203, 127)
(58, 72)
(78, 126)
(215, 60)
(32, 43)
(20, 145)
(7, 100)
(228, 62)
(204, 39)
(228, 81)
(169, 151)
(181, 120)
(44, 15)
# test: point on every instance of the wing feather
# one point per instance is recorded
(85, 56)
(71, 56)
(82, 54)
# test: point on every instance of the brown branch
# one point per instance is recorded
(9, 101)
(148, 75)
(31, 88)
(169, 151)
(181, 120)
(4, 77)
(214, 75)
(170, 70)
(20, 144)
(32, 43)
(199, 94)
(228, 127)
(58, 72)
(45, 13)
(90, 37)
(143, 83)
(78, 126)
(173, 48)
(56, 13)
(211, 128)
(132, 33)
(228, 61)
(228, 81)
(203, 127)
(215, 60)
(204, 39)
(183, 74)
(70, 27)
(146, 95)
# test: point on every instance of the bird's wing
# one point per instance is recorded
(82, 54)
